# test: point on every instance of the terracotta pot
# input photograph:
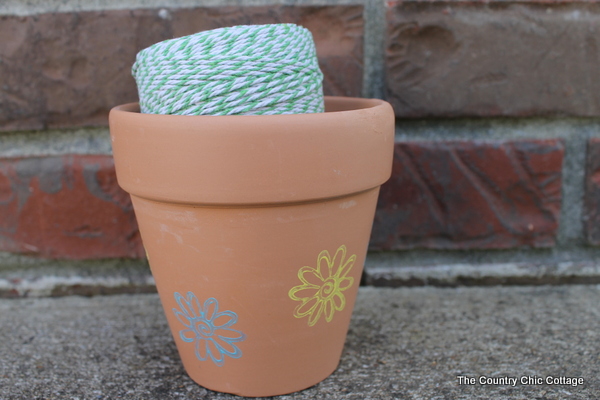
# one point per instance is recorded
(256, 228)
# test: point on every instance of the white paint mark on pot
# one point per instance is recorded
(347, 204)
(183, 217)
(164, 228)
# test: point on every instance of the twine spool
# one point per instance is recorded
(240, 70)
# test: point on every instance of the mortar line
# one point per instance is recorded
(55, 142)
(492, 128)
(374, 49)
(571, 227)
(33, 7)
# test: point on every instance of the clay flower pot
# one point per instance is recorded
(256, 228)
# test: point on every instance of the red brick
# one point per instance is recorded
(471, 195)
(69, 69)
(592, 193)
(496, 58)
(67, 207)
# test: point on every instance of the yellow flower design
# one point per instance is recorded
(322, 287)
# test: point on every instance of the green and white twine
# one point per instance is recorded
(240, 70)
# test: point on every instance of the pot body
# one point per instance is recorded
(256, 230)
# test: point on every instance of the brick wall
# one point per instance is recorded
(498, 139)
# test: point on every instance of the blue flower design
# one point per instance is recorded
(209, 328)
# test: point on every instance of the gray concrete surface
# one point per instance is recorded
(409, 343)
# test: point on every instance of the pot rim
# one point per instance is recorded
(333, 104)
(254, 159)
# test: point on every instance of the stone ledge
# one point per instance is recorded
(484, 274)
(34, 278)
(409, 343)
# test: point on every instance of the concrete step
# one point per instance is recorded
(409, 343)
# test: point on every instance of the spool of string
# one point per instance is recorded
(240, 70)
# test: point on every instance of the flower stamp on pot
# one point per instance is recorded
(208, 328)
(322, 287)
